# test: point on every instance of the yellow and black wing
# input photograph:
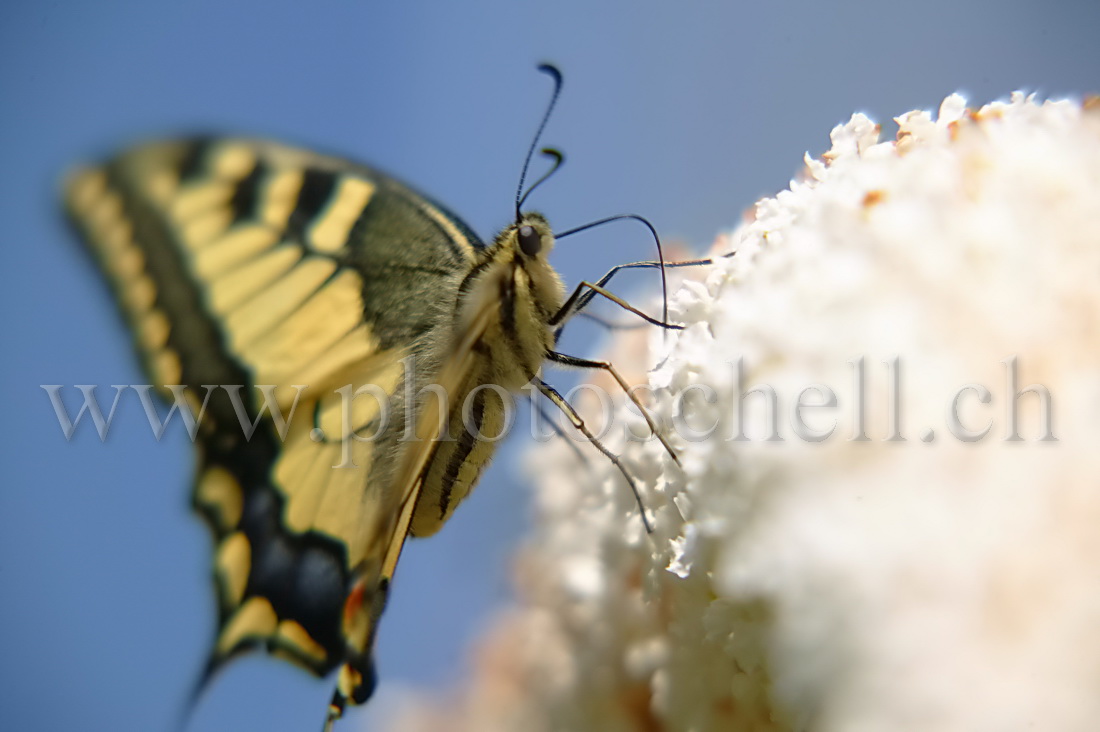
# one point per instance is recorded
(243, 266)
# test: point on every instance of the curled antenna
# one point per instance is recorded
(549, 152)
(556, 75)
(656, 238)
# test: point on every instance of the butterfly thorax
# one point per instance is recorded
(518, 293)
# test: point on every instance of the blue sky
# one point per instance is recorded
(686, 113)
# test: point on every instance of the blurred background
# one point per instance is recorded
(684, 113)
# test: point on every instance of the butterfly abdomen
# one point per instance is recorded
(507, 299)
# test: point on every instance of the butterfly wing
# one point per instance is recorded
(249, 264)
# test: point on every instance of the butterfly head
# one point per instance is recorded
(530, 239)
(526, 247)
(522, 251)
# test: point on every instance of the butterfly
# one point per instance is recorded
(347, 344)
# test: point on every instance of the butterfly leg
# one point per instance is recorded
(585, 291)
(584, 363)
(608, 323)
(581, 457)
(559, 401)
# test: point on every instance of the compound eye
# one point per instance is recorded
(530, 243)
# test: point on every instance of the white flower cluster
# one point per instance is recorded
(877, 560)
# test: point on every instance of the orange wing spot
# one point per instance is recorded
(353, 605)
(358, 617)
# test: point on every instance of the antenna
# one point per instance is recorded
(556, 76)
